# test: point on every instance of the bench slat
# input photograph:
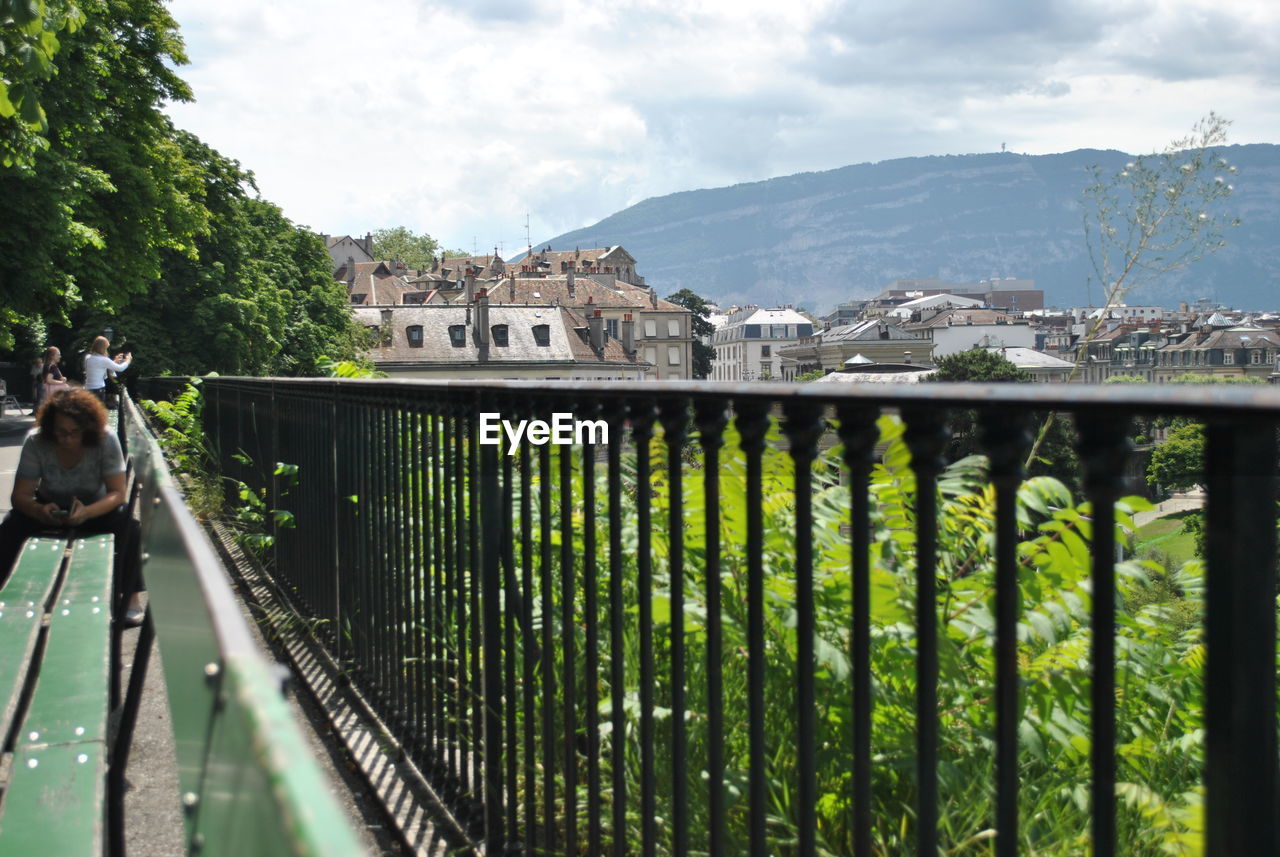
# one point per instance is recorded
(70, 702)
(55, 800)
(22, 604)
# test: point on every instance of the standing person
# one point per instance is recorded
(71, 474)
(37, 367)
(97, 365)
(51, 380)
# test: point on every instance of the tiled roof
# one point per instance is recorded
(567, 339)
(1236, 337)
(555, 290)
(951, 317)
(869, 330)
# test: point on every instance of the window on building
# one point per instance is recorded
(651, 356)
(766, 350)
(673, 355)
(1228, 358)
(777, 331)
(1255, 356)
(498, 334)
(414, 335)
(542, 335)
(673, 328)
(457, 335)
(611, 327)
(358, 298)
(375, 334)
(650, 329)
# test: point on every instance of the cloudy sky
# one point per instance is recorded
(459, 118)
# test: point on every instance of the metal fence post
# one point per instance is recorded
(1240, 676)
(492, 526)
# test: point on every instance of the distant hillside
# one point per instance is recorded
(821, 238)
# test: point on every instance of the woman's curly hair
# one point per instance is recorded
(82, 407)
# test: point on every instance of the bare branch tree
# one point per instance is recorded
(1161, 213)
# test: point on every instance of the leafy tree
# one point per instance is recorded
(29, 45)
(87, 218)
(259, 289)
(1056, 456)
(703, 354)
(978, 364)
(399, 242)
(1178, 463)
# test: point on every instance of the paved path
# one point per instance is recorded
(13, 429)
(1175, 504)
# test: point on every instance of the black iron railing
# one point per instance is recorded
(745, 625)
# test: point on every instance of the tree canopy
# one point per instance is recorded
(1056, 456)
(978, 364)
(115, 218)
(399, 242)
(703, 354)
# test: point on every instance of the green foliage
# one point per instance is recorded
(703, 354)
(253, 520)
(87, 217)
(29, 47)
(977, 364)
(123, 221)
(178, 426)
(813, 375)
(1054, 456)
(1178, 463)
(1159, 670)
(399, 242)
(1198, 378)
(329, 368)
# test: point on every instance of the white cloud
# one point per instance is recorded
(456, 118)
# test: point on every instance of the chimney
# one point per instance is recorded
(469, 281)
(351, 270)
(628, 335)
(569, 278)
(482, 322)
(368, 244)
(386, 328)
(653, 297)
(512, 282)
(595, 325)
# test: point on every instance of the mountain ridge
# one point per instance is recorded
(819, 238)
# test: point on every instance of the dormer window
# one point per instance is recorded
(498, 333)
(542, 335)
(413, 333)
(358, 298)
(458, 335)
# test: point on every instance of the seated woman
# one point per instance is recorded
(71, 475)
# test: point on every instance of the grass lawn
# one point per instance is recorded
(1164, 536)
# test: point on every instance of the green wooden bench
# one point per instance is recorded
(55, 689)
(248, 784)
